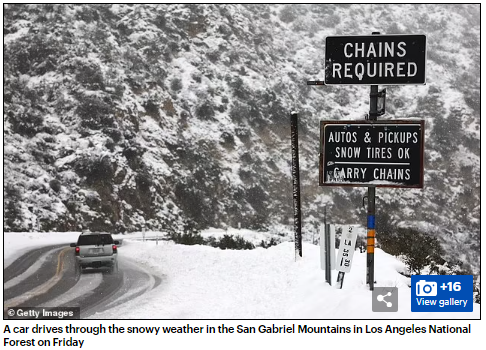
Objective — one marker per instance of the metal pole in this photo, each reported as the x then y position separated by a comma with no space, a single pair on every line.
327,241
325,214
370,238
294,137
340,280
370,261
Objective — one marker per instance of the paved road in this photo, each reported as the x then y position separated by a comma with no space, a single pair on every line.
46,277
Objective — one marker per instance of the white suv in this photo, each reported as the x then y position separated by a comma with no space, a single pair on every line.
96,250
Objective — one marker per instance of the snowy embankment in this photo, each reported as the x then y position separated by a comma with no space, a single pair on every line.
201,282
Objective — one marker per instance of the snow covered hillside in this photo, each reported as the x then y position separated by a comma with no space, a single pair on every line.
176,118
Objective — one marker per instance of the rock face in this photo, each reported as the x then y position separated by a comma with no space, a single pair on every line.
177,117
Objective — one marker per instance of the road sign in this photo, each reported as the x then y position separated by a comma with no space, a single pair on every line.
346,248
375,60
372,153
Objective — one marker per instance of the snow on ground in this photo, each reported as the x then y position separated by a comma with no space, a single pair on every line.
201,282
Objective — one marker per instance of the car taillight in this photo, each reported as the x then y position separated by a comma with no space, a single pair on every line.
77,251
114,248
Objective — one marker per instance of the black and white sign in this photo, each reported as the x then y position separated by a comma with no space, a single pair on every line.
375,60
372,153
346,248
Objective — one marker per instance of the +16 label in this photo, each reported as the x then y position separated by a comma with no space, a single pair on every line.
456,286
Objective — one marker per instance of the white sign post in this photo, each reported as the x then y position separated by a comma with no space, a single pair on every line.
346,248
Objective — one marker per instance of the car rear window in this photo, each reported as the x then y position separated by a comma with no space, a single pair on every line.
95,240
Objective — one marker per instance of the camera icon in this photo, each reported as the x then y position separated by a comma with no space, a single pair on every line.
426,289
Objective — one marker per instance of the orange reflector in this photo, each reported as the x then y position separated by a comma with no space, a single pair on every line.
370,241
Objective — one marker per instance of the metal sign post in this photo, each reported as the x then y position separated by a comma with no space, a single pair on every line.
340,280
328,251
328,254
327,240
294,138
370,238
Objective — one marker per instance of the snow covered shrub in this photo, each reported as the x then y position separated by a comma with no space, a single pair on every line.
270,243
89,75
234,242
176,85
331,21
133,153
258,198
144,181
418,249
173,47
12,211
447,133
257,222
190,238
87,13
43,152
205,111
301,25
243,133
196,25
114,134
238,112
227,140
449,266
35,53
225,242
225,30
152,108
288,14
55,185
213,56
193,203
94,169
239,87
255,117
95,113
160,20
277,113
27,123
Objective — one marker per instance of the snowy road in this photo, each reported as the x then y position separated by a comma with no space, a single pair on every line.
46,277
